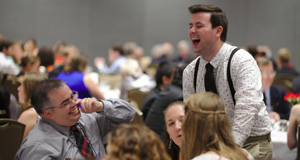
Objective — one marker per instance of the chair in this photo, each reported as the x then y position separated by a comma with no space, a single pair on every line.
11,135
151,70
138,119
12,83
138,96
113,80
298,143
285,81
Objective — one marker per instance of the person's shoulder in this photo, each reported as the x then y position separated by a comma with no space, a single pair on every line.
174,88
278,88
209,156
28,114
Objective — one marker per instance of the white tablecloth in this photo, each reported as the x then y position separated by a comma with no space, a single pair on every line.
280,148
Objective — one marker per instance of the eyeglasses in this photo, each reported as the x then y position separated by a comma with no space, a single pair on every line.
74,97
269,74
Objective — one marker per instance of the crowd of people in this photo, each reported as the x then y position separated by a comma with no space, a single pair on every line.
219,103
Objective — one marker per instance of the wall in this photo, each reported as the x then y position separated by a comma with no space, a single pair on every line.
94,25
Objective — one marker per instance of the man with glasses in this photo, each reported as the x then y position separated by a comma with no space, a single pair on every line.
71,128
277,107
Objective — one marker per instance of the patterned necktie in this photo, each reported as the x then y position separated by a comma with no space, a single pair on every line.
82,143
209,81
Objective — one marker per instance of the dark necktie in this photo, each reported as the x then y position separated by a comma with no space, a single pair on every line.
209,81
82,143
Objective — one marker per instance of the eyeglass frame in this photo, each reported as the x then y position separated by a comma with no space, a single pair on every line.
73,97
269,74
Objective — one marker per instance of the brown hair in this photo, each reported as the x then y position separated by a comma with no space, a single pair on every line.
210,129
29,81
135,142
218,17
29,59
78,63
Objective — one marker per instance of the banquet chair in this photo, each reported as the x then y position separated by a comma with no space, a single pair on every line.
298,142
285,81
11,134
151,70
138,118
12,83
113,80
138,96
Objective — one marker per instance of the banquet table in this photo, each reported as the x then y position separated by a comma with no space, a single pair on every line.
280,148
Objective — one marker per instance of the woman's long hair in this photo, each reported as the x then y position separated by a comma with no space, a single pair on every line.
78,63
206,128
29,81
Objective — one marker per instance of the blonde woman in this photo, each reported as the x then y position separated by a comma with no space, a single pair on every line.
207,132
29,116
135,142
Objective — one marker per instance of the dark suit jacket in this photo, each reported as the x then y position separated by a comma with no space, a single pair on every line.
149,100
296,84
155,119
281,106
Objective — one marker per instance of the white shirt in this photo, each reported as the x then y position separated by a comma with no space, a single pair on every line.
7,66
214,156
249,116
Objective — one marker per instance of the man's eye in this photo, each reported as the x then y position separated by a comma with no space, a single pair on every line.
66,103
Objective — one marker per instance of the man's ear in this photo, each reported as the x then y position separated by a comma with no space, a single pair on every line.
219,31
48,114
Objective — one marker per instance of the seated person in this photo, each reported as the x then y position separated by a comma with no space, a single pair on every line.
133,77
294,121
65,119
116,58
7,64
163,77
296,84
29,116
74,76
135,142
283,62
29,63
169,93
68,52
209,136
277,107
46,56
174,115
184,54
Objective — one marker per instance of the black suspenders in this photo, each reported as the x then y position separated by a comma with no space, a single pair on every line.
228,74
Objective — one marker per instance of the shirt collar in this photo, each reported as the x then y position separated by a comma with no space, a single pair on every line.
219,56
62,129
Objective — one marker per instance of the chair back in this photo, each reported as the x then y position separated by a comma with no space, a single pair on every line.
138,96
112,80
138,119
298,142
151,70
12,83
11,135
285,81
